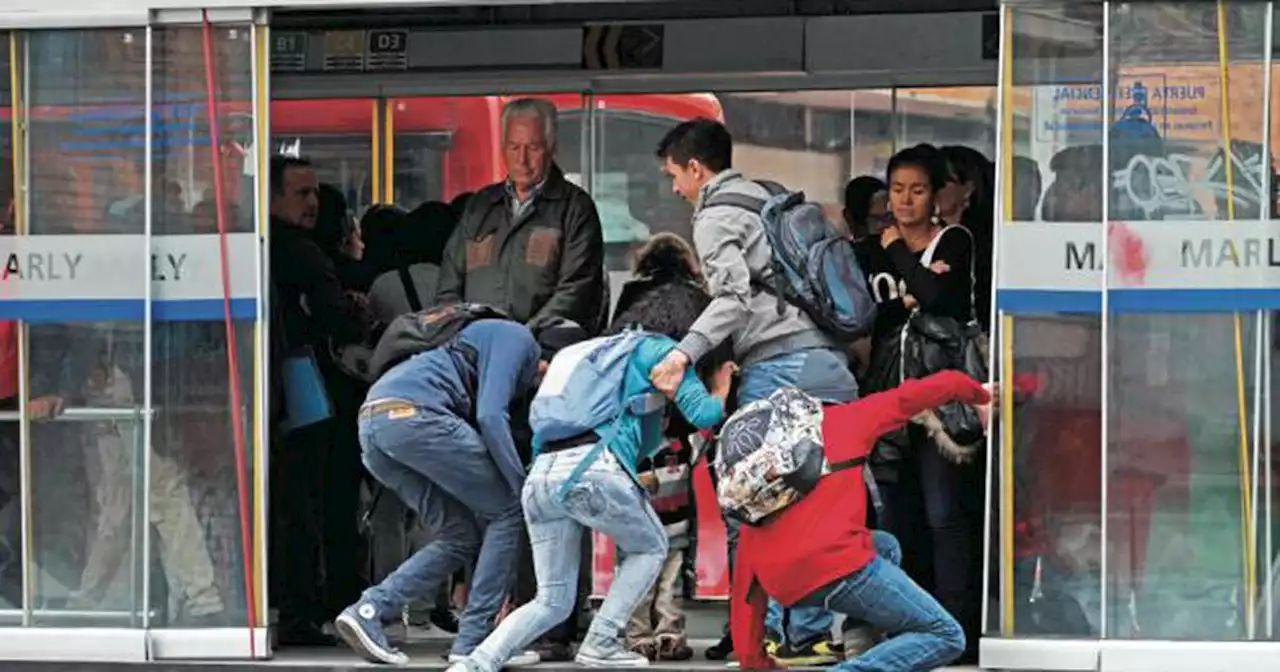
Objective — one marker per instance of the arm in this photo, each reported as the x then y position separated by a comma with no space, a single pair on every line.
746,616
578,290
938,292
696,404
335,313
451,278
504,368
881,413
718,234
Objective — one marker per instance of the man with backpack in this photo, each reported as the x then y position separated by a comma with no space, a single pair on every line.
595,417
791,471
435,431
786,323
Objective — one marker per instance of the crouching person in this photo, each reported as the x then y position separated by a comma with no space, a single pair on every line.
435,431
594,418
804,539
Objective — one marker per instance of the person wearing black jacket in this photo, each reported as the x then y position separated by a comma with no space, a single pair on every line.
920,264
314,311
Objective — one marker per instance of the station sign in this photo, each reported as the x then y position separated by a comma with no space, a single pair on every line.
101,277
1144,266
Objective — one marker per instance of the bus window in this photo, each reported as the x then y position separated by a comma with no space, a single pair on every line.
341,160
420,168
633,198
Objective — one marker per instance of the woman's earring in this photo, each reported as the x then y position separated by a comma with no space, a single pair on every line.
936,218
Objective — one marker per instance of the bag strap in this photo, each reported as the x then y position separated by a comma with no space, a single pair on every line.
410,290
847,464
927,260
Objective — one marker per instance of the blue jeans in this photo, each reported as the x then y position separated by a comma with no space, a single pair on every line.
922,635
604,498
438,466
823,374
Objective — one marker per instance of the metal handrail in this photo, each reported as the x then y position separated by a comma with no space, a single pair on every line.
83,415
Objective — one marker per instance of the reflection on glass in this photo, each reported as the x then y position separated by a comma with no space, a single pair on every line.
1054,450
1180,547
195,506
85,473
85,104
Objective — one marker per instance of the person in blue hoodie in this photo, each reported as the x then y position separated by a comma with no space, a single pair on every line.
603,493
435,430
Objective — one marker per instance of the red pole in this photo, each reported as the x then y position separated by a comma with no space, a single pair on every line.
233,367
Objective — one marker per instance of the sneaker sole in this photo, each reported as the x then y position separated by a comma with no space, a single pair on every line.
354,636
518,660
591,661
806,661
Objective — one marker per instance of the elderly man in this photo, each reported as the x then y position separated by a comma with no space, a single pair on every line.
531,245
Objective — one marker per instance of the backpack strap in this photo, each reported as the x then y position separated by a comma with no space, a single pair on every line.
741,201
410,290
847,464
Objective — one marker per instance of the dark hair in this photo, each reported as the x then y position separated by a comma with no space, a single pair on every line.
926,159
557,337
666,256
280,164
858,193
459,203
670,310
382,227
333,220
430,226
703,139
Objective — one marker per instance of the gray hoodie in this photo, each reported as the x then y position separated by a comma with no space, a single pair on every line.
732,246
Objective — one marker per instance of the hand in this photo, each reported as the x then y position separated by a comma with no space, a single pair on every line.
909,301
889,234
44,408
722,382
666,376
939,267
984,415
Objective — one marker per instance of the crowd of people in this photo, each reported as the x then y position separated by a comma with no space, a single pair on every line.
478,464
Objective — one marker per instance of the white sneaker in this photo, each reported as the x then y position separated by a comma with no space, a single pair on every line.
522,659
612,656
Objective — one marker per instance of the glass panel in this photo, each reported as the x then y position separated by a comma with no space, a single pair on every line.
1180,545
336,135
86,97
10,492
200,562
1049,536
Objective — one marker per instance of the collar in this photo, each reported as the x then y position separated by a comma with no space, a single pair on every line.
552,187
714,185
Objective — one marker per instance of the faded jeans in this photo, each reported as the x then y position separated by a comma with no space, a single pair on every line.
922,635
823,374
605,498
437,465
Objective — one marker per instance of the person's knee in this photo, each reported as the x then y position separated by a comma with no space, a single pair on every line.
950,636
887,546
557,601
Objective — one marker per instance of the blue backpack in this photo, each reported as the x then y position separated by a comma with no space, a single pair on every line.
814,266
582,392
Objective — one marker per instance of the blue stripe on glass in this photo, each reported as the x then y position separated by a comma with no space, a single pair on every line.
102,310
1039,301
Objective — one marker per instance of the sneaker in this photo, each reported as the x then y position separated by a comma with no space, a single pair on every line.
721,650
360,627
673,649
594,653
444,619
857,640
522,659
817,652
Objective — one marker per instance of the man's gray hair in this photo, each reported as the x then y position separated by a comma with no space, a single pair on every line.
539,108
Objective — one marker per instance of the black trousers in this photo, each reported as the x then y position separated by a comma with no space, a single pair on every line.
295,538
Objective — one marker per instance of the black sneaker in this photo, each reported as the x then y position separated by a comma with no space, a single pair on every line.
820,651
443,618
722,649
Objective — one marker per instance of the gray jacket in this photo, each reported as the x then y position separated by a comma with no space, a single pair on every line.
732,246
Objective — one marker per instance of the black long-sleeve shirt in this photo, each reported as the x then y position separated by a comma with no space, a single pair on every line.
895,271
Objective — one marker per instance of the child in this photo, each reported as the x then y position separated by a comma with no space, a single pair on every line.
657,627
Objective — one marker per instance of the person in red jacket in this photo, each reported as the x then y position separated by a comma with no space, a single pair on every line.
846,567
